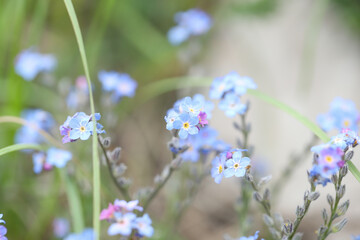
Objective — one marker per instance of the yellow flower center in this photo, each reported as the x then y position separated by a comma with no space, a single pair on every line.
186,125
329,159
236,165
346,123
191,110
220,169
82,129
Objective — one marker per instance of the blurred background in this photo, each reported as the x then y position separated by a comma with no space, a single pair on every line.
302,52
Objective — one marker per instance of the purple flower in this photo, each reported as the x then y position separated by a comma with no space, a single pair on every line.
143,226
1,220
30,63
329,161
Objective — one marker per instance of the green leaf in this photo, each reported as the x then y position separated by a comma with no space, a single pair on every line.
355,172
18,147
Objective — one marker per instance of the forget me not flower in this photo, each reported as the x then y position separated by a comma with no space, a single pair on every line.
87,234
3,232
187,125
123,224
143,225
251,237
61,227
218,167
30,63
236,166
232,105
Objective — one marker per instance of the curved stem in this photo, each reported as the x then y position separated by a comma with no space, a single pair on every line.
122,190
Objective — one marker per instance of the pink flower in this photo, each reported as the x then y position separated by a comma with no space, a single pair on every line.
203,119
107,213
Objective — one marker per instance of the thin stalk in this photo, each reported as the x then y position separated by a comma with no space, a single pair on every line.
300,218
95,153
122,190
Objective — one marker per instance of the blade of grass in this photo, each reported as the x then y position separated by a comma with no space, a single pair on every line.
74,201
18,147
95,153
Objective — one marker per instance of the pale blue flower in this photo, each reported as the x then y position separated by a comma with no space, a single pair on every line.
206,106
143,226
187,125
196,21
232,105
87,234
177,35
30,63
170,118
218,167
236,166
3,232
80,129
220,86
1,220
57,157
251,237
61,227
38,162
190,106
123,224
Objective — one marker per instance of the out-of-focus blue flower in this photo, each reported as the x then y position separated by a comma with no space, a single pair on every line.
30,63
314,173
251,237
78,95
241,83
3,232
87,234
37,119
356,237
220,86
57,157
189,23
177,35
53,157
120,84
123,224
221,146
232,105
191,106
61,227
236,166
342,115
206,106
187,125
218,167
170,119
124,207
143,225
1,220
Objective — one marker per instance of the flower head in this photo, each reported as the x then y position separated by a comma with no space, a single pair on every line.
237,165
143,226
87,234
53,157
1,220
218,167
232,105
61,227
256,235
30,63
187,125
3,232
123,224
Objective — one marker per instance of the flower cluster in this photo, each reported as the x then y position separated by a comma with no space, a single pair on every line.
329,156
204,142
256,235
188,115
53,157
3,229
342,115
120,84
229,89
193,22
30,63
36,119
78,95
123,219
80,126
87,234
228,164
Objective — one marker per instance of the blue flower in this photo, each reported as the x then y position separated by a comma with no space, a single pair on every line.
187,125
1,220
251,237
220,146
232,105
192,153
316,176
356,237
30,63
326,122
80,129
236,165
120,84
241,84
218,167
190,23
57,157
123,224
220,86
143,225
170,118
177,35
36,119
3,232
87,234
206,106
191,106
61,227
38,161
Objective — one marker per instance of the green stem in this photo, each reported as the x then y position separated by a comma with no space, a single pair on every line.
95,153
122,190
18,147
